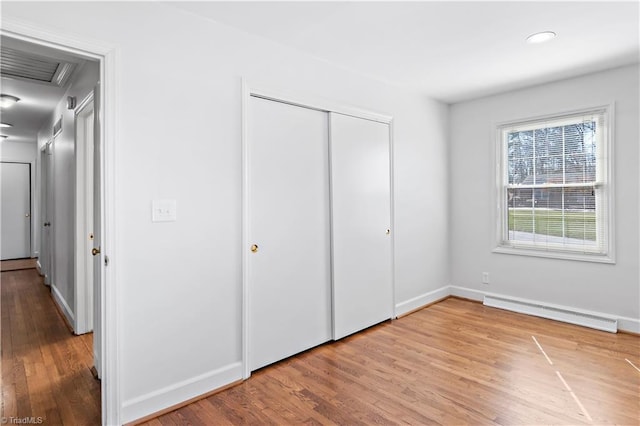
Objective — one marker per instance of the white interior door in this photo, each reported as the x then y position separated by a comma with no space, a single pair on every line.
361,219
84,288
46,209
288,278
98,262
15,226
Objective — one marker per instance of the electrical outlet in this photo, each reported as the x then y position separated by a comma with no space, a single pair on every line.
485,278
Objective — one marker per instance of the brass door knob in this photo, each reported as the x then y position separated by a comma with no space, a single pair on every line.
95,251
254,248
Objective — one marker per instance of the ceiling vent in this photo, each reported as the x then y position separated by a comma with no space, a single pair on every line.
30,67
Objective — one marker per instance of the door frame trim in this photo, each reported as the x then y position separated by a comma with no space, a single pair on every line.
32,191
32,198
306,101
46,268
83,276
108,56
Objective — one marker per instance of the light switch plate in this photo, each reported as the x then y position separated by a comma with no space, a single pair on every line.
163,210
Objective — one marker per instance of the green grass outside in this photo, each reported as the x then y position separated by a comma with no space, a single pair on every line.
581,225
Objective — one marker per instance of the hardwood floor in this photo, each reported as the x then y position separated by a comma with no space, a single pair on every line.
456,362
17,264
45,368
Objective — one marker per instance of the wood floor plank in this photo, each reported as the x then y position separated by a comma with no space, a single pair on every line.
45,369
455,362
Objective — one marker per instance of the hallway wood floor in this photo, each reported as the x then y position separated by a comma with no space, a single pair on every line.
46,373
456,362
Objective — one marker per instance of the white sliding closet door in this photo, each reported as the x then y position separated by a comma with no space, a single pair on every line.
289,279
361,218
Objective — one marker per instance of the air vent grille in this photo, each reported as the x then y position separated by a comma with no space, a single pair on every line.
25,66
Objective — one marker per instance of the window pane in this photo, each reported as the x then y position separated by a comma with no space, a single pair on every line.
580,152
554,213
580,199
520,156
552,226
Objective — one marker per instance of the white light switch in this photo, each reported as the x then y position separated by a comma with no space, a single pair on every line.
163,211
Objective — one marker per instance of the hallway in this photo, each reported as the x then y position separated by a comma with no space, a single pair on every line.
46,373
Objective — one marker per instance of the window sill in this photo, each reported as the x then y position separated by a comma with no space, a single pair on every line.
562,255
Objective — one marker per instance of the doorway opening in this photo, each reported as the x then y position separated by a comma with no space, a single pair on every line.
71,208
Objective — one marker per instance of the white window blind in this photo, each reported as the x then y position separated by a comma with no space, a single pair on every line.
554,185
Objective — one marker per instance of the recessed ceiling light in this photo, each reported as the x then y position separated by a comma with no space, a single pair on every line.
6,125
541,37
7,101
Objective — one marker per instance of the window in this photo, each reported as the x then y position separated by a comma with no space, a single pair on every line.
555,187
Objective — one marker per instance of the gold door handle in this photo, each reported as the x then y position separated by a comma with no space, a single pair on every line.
95,251
254,248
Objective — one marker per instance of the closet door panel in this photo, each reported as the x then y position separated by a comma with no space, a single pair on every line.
289,279
361,216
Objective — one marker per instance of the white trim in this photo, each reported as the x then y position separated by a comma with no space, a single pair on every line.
62,304
422,300
466,293
546,310
33,176
628,324
549,251
392,218
83,104
314,102
305,101
610,119
624,323
83,276
246,97
50,37
108,57
526,251
43,153
182,391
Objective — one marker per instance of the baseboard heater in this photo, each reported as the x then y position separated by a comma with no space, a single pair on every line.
555,313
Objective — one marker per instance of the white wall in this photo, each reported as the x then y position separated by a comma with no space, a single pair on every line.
24,152
611,289
63,160
17,151
180,137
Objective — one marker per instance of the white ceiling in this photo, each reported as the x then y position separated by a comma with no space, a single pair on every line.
452,50
37,100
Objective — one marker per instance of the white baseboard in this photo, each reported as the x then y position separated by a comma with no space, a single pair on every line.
174,394
39,267
422,300
632,325
624,323
558,313
467,293
62,304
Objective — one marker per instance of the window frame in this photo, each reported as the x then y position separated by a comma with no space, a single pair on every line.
604,182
